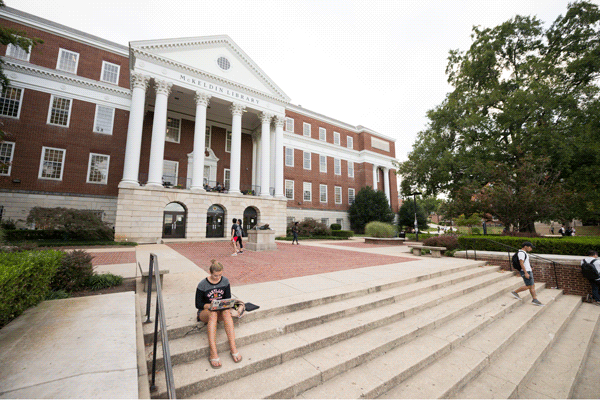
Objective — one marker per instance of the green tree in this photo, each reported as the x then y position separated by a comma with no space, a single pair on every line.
369,205
474,219
520,93
406,215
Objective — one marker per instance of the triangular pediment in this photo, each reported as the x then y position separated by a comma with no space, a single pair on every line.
216,56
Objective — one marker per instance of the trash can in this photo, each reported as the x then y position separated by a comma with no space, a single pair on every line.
402,235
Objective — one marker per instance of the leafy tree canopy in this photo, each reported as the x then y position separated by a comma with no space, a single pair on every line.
369,205
525,98
406,215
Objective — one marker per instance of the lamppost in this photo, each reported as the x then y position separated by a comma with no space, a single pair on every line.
416,223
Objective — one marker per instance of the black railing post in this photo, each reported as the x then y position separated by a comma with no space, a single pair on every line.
153,385
149,296
555,276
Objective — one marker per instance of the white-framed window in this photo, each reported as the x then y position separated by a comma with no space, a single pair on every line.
98,168
336,138
289,125
322,163
350,169
206,174
52,163
350,196
338,195
325,221
173,130
10,102
323,193
67,61
337,166
306,129
322,134
350,142
207,138
103,121
290,220
60,111
7,150
170,172
307,155
289,157
289,189
18,52
307,191
110,72
340,222
226,177
228,142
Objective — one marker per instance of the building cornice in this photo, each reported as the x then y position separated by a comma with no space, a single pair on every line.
57,76
42,24
355,129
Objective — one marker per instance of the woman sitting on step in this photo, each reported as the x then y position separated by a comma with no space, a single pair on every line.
216,287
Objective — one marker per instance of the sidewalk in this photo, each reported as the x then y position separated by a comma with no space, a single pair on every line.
86,347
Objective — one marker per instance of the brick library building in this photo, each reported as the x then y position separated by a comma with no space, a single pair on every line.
171,138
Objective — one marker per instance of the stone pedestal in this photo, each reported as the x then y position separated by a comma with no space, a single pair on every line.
261,240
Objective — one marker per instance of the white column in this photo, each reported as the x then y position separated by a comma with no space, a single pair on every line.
254,159
258,165
133,147
375,177
279,121
202,100
159,131
265,152
386,184
236,147
272,161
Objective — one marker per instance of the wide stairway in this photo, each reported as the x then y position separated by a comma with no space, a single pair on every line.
456,333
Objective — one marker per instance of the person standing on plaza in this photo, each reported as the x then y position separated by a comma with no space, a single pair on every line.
239,233
526,274
234,237
295,232
592,258
216,287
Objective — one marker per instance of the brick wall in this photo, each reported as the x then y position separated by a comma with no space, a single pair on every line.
568,274
90,58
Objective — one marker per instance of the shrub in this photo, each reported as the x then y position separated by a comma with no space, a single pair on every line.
521,234
450,242
8,224
73,272
71,224
340,233
369,205
310,227
57,295
380,230
336,227
422,236
25,280
102,281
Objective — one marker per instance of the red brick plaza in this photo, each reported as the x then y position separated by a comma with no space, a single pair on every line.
288,261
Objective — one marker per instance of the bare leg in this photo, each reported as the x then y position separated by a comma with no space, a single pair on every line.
211,319
532,291
228,321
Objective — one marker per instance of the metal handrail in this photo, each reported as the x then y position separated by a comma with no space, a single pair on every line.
154,272
510,259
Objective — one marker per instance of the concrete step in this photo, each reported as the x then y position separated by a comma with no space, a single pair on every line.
562,367
181,313
337,346
513,367
195,344
588,384
379,376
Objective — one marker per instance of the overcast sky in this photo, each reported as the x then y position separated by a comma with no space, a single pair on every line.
380,64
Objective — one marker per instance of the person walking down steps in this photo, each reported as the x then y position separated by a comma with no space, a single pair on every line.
526,273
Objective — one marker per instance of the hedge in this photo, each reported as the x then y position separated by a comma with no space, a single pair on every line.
343,234
574,246
25,280
422,236
290,238
20,235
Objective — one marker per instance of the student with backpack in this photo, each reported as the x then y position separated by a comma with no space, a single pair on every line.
590,268
520,262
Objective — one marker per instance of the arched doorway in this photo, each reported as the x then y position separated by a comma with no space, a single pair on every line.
215,221
250,219
174,221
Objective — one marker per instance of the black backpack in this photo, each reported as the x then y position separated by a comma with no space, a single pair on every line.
589,271
515,261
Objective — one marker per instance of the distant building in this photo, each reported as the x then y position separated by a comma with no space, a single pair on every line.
146,135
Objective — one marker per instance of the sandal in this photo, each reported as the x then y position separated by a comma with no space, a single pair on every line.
215,363
236,357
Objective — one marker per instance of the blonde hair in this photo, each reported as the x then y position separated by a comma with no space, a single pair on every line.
215,266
